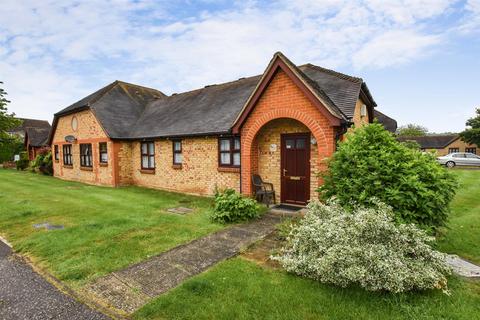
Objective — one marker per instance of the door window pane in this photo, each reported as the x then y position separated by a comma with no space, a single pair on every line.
300,143
290,143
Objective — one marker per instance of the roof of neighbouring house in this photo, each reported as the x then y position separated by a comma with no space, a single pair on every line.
127,111
30,123
432,141
387,122
37,137
37,131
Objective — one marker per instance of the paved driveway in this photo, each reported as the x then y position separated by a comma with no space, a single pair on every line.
24,294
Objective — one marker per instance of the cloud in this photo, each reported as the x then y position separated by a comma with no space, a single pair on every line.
394,47
54,52
471,21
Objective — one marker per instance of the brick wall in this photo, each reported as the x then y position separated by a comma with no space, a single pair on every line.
461,145
88,131
199,173
269,161
283,99
358,119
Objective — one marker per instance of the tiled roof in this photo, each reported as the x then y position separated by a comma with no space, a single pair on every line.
127,111
433,141
387,122
38,137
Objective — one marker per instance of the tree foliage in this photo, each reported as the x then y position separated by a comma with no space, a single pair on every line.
472,135
7,122
371,163
412,130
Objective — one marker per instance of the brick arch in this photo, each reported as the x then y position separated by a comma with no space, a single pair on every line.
249,160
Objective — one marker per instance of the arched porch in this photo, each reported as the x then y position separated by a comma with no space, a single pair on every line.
286,148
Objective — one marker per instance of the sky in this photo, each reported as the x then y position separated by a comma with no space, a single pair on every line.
420,59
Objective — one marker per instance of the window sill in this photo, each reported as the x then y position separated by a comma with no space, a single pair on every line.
147,171
86,168
67,166
177,166
229,169
103,164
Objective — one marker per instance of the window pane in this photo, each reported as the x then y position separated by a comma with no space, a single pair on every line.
151,148
236,159
152,162
177,145
225,145
144,162
144,148
225,158
300,143
178,158
103,147
236,142
104,157
290,144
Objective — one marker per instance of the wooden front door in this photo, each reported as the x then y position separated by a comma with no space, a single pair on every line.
295,168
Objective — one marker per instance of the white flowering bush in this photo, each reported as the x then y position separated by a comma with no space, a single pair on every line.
364,247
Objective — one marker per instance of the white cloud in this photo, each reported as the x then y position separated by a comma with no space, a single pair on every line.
53,52
471,21
394,47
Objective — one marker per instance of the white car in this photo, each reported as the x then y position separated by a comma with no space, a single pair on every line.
459,159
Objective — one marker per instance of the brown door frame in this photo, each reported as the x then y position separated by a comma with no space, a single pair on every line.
283,138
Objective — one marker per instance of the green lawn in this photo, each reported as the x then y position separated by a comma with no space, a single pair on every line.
106,229
462,235
240,289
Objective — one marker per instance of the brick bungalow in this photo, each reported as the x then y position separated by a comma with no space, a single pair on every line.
35,134
442,144
281,125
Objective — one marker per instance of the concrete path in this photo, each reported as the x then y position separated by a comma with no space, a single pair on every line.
463,267
24,294
129,289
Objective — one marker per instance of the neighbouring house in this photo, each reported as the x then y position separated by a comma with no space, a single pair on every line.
281,125
442,144
35,135
388,123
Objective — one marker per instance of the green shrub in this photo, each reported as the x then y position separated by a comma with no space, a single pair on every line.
372,163
231,206
364,247
23,163
43,162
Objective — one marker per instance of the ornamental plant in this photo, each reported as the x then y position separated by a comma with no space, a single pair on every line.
364,247
231,206
371,163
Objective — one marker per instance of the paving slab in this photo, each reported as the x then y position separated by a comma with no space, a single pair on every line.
142,282
24,294
463,267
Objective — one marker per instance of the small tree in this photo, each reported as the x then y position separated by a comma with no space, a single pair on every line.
412,130
472,134
7,122
371,163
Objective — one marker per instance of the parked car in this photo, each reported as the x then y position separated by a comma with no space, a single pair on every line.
459,159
